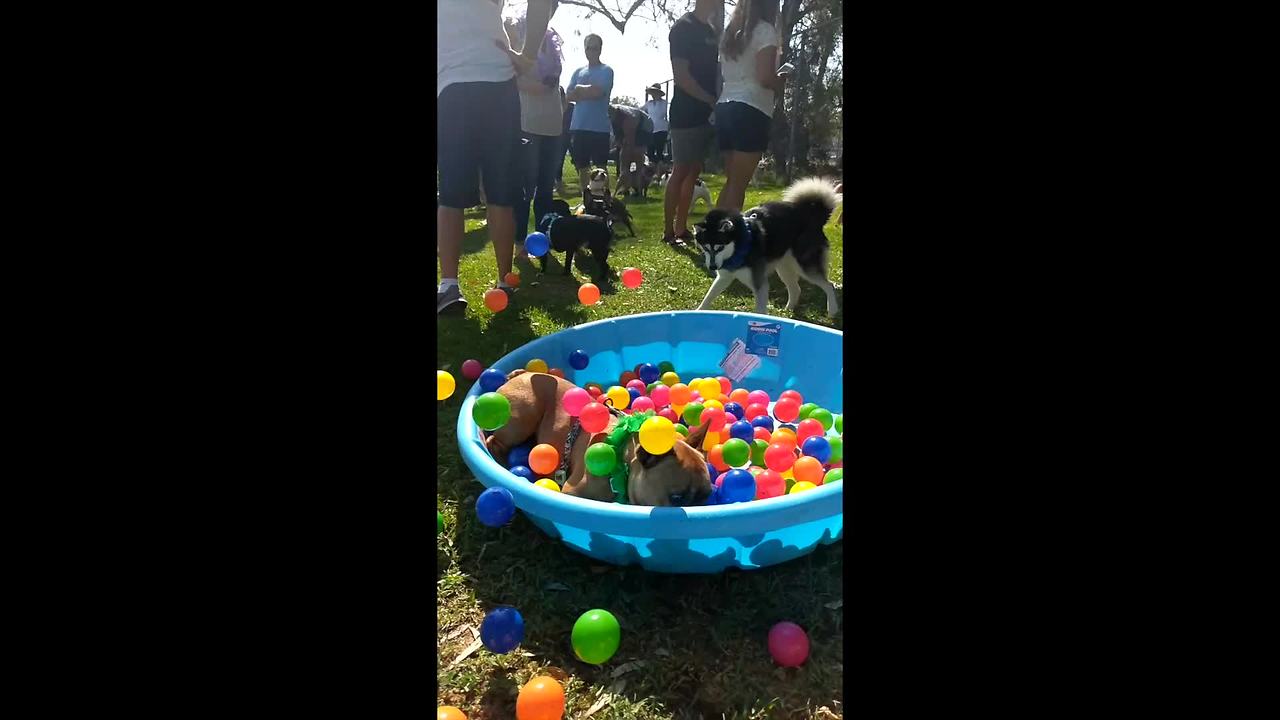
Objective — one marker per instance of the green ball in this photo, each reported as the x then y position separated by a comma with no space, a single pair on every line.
596,636
758,447
491,411
439,523
833,475
601,458
665,367
693,414
840,423
837,450
823,416
736,453
682,429
648,390
806,410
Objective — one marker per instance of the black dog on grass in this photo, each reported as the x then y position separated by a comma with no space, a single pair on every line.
570,233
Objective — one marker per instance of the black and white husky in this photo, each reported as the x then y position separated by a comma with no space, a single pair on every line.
783,236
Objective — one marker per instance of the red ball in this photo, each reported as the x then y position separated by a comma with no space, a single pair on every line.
471,369
721,478
778,457
594,417
637,385
725,386
788,644
755,410
632,277
762,434
770,484
594,389
787,409
713,418
668,413
793,395
627,377
808,428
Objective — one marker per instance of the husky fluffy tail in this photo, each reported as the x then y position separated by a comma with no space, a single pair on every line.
817,198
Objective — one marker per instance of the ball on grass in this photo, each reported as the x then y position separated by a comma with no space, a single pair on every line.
502,630
495,507
541,698
788,644
511,279
596,636
588,294
445,385
632,277
471,369
495,300
449,712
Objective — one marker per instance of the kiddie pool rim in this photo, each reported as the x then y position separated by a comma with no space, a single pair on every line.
649,522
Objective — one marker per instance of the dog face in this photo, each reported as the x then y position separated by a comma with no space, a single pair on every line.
558,207
678,478
716,235
597,178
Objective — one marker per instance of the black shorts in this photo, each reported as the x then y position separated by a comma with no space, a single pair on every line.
478,135
589,149
742,128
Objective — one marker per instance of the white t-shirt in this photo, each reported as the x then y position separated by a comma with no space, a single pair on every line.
740,83
465,32
657,110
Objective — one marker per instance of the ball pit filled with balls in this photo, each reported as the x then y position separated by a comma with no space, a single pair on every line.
780,425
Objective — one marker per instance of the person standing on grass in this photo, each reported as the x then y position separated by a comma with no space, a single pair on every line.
695,67
656,108
589,90
750,55
541,111
477,129
633,129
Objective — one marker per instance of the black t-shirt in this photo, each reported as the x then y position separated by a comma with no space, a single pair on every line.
695,41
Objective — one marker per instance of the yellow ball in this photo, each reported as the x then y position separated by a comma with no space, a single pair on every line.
711,389
445,384
670,378
678,410
788,475
536,365
657,435
620,397
713,403
548,484
801,487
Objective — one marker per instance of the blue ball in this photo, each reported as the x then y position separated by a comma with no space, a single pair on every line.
817,447
714,497
502,629
495,507
736,409
491,380
537,244
649,373
743,431
578,360
711,470
738,486
634,394
524,472
519,455
763,421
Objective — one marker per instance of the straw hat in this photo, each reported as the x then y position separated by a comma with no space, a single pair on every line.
656,90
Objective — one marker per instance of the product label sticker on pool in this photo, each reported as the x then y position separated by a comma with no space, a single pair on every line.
764,338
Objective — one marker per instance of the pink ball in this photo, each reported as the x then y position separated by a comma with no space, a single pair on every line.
637,385
668,413
661,395
730,419
574,400
471,369
758,397
696,396
721,478
788,644
641,404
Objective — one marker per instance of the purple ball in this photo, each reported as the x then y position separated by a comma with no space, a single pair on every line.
742,430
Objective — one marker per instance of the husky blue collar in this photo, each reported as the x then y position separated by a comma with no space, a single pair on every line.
740,248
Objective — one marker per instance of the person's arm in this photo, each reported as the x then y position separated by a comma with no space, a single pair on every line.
527,84
685,81
587,92
537,16
767,69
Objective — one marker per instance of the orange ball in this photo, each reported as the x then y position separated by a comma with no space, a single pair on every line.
541,698
544,459
808,469
495,300
739,396
784,435
588,294
556,371
511,279
680,394
449,712
716,457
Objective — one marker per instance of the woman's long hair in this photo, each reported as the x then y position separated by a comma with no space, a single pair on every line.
550,61
745,17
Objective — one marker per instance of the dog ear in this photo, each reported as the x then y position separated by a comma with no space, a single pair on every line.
696,437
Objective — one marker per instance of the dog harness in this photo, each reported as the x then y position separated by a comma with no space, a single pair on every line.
626,427
740,249
548,220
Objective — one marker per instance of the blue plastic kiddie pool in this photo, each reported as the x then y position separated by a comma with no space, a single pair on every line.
748,535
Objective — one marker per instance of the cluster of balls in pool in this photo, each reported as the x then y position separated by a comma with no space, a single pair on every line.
537,244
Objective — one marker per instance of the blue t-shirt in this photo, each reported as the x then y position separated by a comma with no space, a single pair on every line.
592,114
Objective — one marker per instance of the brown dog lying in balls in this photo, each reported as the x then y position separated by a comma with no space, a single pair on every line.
678,477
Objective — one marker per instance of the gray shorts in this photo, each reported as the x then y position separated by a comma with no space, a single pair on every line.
690,145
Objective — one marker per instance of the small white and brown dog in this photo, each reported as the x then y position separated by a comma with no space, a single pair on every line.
700,190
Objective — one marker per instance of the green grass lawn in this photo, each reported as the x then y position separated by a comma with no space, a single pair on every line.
692,646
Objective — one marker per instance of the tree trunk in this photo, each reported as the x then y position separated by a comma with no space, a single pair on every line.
780,133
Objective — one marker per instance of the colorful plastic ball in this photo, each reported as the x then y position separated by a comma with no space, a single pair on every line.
595,389
574,400
770,484
740,396
637,385
544,459
502,630
601,459
519,455
680,393
619,396
738,486
788,644
632,394
785,435
511,279
491,411
839,423
726,386
666,366
632,277
758,397
495,300
596,636
758,448
578,360
712,417
808,428
807,409
594,417
833,475
786,410
537,365
627,377
823,416
753,411
439,523
693,414
735,409
715,458
712,472
537,244
660,394
763,421
657,435
588,294
495,507
449,712
714,403
736,453
555,371
681,428
742,430
762,434
713,388
548,484
808,469
730,419
523,471
471,369
793,395
779,457
649,373
445,385
642,404
816,447
541,698
491,380
669,414
801,486
837,450
669,378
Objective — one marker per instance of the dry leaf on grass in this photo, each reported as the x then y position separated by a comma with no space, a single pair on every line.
556,586
834,605
625,668
467,653
605,699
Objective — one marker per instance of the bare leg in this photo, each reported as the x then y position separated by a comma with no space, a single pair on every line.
502,227
722,283
671,201
739,167
684,201
449,230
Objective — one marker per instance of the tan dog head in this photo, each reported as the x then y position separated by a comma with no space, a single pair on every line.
678,477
